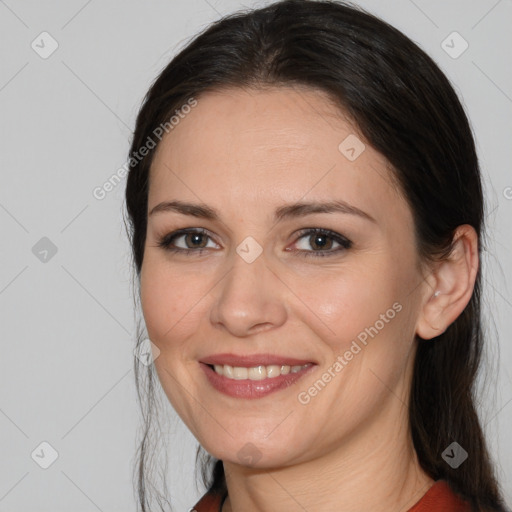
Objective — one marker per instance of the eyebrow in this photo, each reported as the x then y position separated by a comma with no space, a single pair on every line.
283,212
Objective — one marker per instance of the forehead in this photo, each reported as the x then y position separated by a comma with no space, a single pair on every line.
260,121
272,145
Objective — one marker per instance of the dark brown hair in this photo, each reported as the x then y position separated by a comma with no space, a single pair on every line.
405,107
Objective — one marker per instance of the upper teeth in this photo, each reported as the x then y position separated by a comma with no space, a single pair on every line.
256,372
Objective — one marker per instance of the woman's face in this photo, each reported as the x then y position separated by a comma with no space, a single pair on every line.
263,288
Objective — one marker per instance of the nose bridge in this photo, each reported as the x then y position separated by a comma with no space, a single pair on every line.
246,296
247,275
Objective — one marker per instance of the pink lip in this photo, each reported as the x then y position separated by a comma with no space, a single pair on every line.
253,360
250,389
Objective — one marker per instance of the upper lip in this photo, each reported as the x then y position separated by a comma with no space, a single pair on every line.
253,360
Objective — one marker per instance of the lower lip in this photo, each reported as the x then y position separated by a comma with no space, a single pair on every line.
247,388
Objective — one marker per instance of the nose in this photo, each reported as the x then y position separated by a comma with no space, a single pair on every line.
249,299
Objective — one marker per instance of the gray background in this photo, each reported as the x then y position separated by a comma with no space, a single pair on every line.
67,322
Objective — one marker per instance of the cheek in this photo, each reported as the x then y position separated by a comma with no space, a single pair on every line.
156,301
170,307
340,304
170,302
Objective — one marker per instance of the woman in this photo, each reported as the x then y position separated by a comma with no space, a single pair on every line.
305,213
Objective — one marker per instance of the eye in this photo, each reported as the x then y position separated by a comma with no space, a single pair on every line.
322,241
195,241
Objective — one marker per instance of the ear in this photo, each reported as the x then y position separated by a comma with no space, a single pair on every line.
450,285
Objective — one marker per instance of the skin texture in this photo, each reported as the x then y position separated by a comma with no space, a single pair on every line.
246,153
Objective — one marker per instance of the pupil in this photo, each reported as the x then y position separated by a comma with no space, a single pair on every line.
318,240
196,238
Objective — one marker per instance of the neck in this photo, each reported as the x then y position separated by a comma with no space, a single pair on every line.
377,469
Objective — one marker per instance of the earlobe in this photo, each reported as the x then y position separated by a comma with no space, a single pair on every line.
453,278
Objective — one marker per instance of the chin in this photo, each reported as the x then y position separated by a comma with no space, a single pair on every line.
251,450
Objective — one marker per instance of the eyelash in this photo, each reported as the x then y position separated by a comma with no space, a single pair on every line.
345,243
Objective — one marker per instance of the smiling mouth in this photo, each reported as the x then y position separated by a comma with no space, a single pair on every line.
259,372
252,382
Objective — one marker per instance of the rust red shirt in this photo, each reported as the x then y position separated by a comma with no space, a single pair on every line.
439,498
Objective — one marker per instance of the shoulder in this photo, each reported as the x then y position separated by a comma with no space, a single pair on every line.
441,498
210,502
